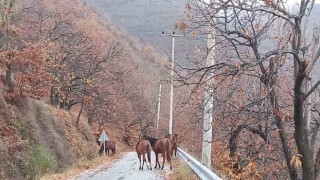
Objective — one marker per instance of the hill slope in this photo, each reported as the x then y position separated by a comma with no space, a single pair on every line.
33,126
145,20
37,138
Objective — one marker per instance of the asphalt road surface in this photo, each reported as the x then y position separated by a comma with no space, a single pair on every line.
126,168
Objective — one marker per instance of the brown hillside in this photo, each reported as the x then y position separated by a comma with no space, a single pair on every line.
80,64
34,122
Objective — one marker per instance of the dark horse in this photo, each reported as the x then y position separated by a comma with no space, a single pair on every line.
162,146
144,147
110,145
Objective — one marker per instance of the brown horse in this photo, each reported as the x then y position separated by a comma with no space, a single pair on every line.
110,145
162,146
144,147
174,143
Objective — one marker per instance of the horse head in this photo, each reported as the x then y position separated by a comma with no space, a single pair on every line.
175,137
168,136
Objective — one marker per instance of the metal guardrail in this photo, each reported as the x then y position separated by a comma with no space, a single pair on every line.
202,171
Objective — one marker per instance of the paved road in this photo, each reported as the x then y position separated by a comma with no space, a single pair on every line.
126,168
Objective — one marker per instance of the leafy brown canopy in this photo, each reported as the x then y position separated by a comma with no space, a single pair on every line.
60,51
266,86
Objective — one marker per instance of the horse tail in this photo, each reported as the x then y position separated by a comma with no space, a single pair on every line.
168,148
149,151
137,145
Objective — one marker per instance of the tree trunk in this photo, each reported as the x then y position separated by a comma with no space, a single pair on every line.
307,109
90,119
9,77
308,172
82,103
283,137
7,46
54,97
78,118
232,143
62,104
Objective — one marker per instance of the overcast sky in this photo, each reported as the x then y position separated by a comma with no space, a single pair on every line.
298,1
296,4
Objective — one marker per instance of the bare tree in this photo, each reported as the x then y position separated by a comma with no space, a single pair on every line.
272,45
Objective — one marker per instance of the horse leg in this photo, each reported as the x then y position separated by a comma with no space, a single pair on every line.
100,151
156,160
139,155
149,158
107,150
169,159
164,159
144,159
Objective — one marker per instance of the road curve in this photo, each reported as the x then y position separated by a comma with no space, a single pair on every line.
126,168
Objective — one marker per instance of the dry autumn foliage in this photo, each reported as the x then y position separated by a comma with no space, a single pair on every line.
62,52
266,85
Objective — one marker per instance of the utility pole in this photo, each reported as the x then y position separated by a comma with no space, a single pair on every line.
173,35
208,109
159,103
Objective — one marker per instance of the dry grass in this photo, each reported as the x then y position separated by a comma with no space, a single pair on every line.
50,132
81,166
182,171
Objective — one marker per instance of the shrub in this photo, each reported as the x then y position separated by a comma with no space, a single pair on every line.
40,162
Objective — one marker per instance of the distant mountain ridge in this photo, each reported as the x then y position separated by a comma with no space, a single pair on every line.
146,19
